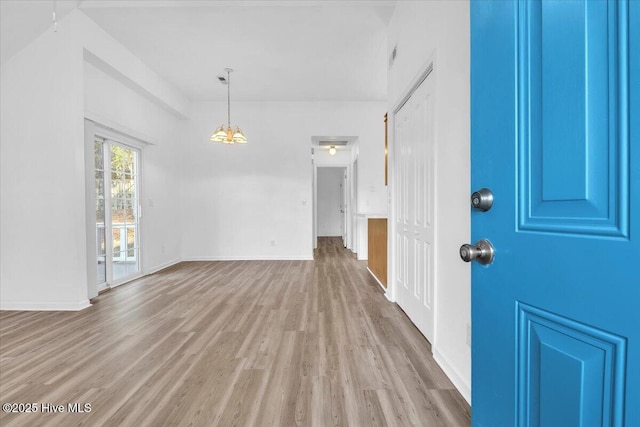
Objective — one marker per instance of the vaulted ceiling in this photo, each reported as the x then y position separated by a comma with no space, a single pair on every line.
281,50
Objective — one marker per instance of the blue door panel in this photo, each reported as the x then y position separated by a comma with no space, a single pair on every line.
572,116
556,68
570,374
555,135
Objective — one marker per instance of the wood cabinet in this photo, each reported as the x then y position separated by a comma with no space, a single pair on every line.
377,247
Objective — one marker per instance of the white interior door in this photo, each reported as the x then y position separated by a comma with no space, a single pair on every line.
330,218
413,147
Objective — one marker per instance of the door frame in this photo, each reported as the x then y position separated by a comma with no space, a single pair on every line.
109,142
346,217
96,129
344,200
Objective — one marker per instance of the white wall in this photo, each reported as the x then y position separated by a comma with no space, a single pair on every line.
43,261
42,256
440,30
238,199
330,218
323,158
112,102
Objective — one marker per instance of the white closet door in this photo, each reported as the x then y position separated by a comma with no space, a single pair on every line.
414,197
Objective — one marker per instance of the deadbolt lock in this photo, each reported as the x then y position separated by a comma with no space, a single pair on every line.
482,199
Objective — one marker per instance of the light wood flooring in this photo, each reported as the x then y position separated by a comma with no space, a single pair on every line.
242,343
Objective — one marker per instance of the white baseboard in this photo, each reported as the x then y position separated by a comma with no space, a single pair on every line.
162,266
463,386
388,295
251,258
44,306
377,280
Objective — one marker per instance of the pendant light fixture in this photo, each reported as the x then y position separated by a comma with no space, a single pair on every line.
226,134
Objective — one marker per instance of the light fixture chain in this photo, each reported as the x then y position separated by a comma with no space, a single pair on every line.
54,19
229,99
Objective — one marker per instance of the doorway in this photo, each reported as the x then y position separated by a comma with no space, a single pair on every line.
331,202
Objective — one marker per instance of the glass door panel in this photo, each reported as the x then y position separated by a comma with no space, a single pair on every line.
117,213
125,218
100,216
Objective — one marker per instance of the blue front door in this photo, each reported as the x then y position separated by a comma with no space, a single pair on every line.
555,122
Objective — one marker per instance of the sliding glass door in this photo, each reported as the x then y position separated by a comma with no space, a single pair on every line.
124,211
117,212
101,239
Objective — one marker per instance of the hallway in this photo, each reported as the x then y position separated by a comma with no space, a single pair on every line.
238,343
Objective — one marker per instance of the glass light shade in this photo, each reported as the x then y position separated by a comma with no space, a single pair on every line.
239,137
219,135
332,150
228,136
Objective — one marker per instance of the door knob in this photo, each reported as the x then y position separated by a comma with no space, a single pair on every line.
482,252
482,199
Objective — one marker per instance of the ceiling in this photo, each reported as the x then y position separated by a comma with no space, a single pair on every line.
21,21
281,50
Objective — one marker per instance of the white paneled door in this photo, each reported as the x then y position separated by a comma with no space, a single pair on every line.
413,206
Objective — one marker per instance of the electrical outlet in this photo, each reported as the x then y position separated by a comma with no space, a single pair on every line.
469,335
273,243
